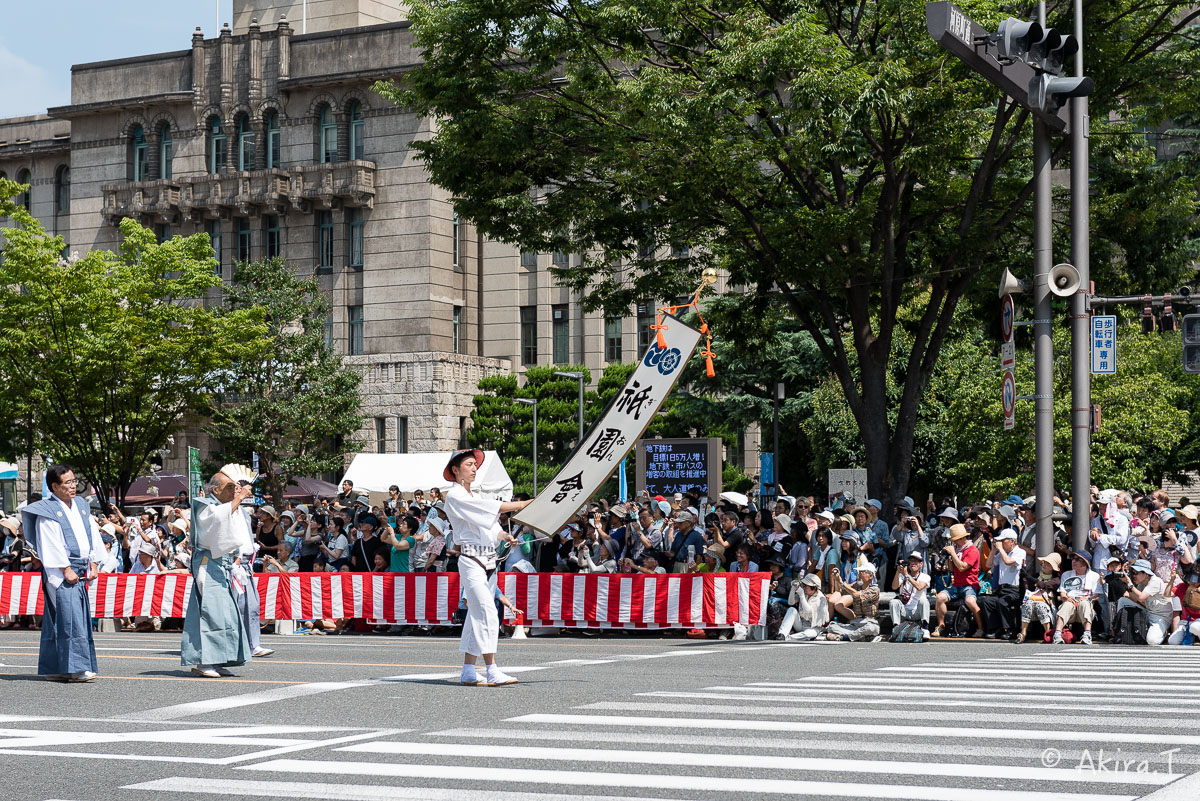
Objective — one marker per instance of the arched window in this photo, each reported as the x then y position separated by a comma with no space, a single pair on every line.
166,151
216,145
327,136
271,123
141,155
23,199
245,142
62,189
356,130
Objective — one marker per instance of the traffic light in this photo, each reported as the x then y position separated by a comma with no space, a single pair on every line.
1191,343
1014,38
1047,93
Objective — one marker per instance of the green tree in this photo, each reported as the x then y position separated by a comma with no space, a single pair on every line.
111,351
827,154
294,404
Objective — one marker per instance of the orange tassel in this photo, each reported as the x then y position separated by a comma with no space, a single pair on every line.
709,367
662,343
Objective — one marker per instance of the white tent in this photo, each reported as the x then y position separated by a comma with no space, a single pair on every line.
375,472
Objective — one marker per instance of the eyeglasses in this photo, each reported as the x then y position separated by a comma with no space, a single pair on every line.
70,483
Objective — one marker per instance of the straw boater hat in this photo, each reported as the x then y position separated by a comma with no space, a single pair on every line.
457,457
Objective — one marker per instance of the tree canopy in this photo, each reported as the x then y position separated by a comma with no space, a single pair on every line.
112,350
828,156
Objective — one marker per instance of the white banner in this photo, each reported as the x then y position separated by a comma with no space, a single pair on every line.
614,436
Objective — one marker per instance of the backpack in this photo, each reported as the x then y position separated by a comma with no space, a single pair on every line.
962,622
1130,626
906,631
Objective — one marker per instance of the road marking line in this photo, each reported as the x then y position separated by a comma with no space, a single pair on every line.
916,714
222,704
756,761
345,792
1009,702
1021,672
1070,756
838,727
658,782
454,675
966,681
955,688
190,678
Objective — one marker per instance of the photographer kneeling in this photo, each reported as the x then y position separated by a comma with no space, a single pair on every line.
911,601
808,611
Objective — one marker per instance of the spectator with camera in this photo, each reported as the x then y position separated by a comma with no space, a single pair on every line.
1039,600
1000,610
911,584
1150,595
857,603
687,544
963,559
1187,594
911,537
808,610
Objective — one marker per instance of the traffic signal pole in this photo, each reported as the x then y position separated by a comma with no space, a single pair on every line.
1081,316
1043,341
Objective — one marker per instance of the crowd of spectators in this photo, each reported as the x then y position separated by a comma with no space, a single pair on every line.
838,571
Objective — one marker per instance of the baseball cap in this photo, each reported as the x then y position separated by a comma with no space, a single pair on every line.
1007,534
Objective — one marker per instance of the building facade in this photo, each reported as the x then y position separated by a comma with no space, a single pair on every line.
271,141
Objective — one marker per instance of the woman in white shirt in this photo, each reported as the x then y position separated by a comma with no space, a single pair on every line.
475,522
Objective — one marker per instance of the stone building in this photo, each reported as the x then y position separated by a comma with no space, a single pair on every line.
271,141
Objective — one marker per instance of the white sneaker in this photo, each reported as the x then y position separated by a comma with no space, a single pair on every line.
79,678
260,652
224,671
924,635
497,678
1058,638
469,676
205,671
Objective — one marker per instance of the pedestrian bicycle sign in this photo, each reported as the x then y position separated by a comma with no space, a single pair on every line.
1008,399
1104,341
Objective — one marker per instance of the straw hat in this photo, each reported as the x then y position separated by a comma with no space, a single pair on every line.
957,532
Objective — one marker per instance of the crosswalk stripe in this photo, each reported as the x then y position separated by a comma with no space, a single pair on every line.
895,680
1044,703
1069,755
758,761
1022,671
955,689
742,786
838,727
917,714
343,792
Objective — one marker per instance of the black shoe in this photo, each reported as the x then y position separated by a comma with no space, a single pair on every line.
991,635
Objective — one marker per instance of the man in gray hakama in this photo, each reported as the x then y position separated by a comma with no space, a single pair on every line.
69,548
214,632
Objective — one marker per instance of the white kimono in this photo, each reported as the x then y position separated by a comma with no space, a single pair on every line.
475,522
52,546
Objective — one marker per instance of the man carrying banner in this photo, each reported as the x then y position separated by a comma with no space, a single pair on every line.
475,522
61,531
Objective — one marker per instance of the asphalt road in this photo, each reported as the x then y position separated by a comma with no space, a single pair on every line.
616,716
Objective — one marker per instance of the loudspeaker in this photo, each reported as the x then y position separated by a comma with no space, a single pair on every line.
1011,285
1064,280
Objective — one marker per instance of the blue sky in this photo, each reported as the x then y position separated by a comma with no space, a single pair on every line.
39,41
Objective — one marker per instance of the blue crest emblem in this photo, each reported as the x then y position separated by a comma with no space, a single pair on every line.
667,361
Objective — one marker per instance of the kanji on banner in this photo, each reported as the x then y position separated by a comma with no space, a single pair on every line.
614,436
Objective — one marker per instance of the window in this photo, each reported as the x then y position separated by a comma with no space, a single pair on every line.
329,330
645,319
327,136
529,335
458,329
455,232
216,145
646,243
356,130
62,189
560,259
324,240
271,235
23,199
162,232
271,122
560,330
354,242
680,250
214,236
243,239
462,432
612,339
401,435
245,140
354,316
381,435
141,155
738,457
529,259
166,152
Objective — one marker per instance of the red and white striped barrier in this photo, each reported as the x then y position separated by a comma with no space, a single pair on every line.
570,600
639,601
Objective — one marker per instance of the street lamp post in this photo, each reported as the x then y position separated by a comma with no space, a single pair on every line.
775,456
578,376
533,402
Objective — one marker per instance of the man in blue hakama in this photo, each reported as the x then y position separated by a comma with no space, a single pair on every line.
69,547
214,632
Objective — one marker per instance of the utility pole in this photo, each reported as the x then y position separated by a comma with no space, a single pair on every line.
533,402
1081,316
